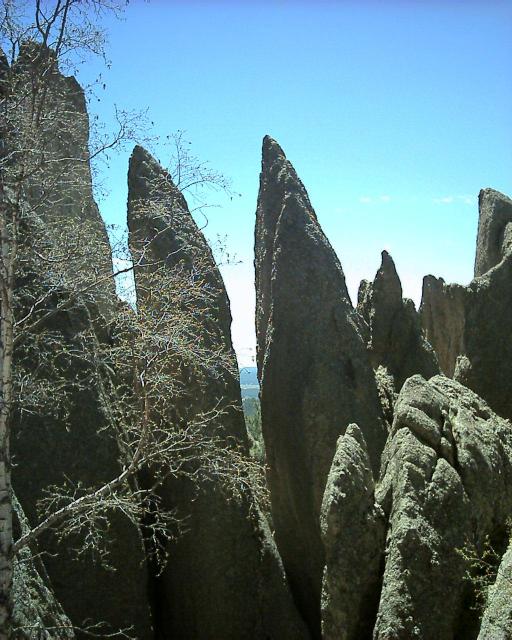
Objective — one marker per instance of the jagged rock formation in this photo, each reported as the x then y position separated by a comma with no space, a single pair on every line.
353,533
315,374
224,578
424,499
65,295
373,533
497,618
471,323
49,117
494,238
447,469
396,339
444,487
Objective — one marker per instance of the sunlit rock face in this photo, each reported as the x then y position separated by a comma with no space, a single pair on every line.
353,533
395,341
497,618
224,577
399,550
469,326
446,469
443,317
494,239
316,377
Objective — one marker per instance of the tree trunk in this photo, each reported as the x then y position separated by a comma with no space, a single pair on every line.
7,255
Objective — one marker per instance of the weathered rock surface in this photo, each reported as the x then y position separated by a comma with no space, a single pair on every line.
494,239
353,533
315,374
472,323
224,578
55,127
36,612
443,318
396,339
486,366
497,618
447,469
60,435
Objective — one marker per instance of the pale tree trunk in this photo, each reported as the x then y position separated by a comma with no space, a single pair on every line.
7,254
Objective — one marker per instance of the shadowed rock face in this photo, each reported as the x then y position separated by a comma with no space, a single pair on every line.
314,370
224,578
472,323
396,340
36,614
64,436
164,234
484,365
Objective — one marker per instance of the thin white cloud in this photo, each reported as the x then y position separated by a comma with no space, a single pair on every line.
469,200
374,199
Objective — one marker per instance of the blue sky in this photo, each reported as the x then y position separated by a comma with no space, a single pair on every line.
394,114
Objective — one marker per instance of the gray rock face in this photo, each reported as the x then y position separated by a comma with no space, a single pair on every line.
487,353
59,193
471,323
443,319
396,339
497,618
315,374
37,613
224,578
353,533
163,232
446,472
494,238
397,553
61,434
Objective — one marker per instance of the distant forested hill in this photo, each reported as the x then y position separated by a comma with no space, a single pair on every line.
249,376
249,382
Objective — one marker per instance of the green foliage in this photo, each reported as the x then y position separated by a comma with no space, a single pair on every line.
483,564
252,413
